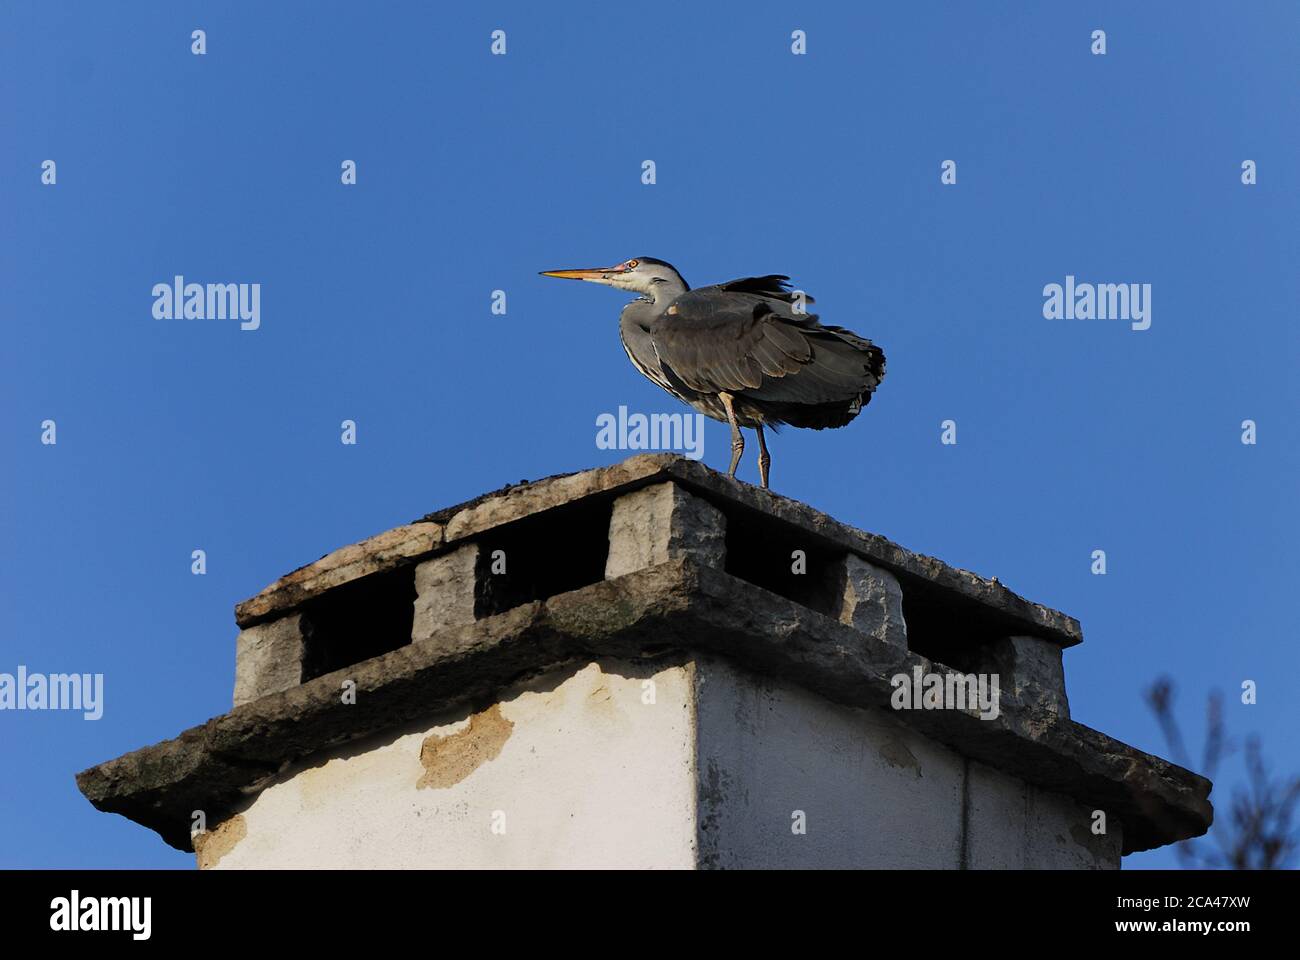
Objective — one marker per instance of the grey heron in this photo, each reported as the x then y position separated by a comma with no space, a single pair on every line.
744,352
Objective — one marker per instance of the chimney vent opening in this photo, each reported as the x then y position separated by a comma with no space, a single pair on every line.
542,555
781,558
357,621
948,630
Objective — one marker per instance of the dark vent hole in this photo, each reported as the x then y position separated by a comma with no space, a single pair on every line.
542,555
358,620
764,554
951,631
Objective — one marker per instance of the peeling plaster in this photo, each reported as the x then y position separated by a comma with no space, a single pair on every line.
211,845
449,759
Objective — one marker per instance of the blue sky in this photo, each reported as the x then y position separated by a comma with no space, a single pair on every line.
476,171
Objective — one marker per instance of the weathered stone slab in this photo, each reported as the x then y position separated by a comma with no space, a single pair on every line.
663,522
512,503
372,555
1046,622
521,500
444,592
1032,674
873,603
269,656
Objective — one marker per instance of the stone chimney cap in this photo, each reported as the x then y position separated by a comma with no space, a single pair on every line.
659,560
451,525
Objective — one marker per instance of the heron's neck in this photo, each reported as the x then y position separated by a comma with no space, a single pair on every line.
662,294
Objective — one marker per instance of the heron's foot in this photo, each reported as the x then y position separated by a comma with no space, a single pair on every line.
764,465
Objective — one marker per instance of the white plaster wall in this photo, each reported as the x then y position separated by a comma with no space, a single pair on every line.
874,794
585,773
1060,836
1018,826
998,820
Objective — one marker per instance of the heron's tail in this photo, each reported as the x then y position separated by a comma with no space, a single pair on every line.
852,366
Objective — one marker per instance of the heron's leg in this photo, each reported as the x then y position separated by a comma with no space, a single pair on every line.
764,461
737,441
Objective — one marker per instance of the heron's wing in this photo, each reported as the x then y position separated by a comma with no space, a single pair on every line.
745,338
774,286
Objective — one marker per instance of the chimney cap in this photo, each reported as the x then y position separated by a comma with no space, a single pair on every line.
683,607
451,525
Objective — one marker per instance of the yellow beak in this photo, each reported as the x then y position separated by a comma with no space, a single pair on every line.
587,273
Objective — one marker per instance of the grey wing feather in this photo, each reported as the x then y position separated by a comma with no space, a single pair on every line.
744,337
640,350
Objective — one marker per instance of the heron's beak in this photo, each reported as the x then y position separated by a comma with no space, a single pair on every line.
588,273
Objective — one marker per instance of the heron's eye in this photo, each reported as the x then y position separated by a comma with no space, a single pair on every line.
631,264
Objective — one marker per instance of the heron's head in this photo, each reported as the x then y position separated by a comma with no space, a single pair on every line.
644,275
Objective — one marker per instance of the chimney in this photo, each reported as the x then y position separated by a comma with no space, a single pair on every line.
647,665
